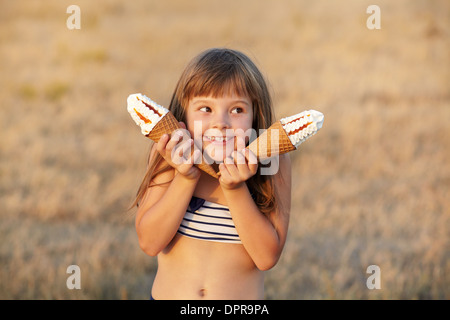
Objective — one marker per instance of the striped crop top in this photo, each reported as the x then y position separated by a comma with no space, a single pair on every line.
208,221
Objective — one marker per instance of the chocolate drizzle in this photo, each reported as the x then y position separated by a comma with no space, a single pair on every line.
299,129
142,117
295,120
150,107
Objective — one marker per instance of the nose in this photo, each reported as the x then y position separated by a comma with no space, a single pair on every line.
221,121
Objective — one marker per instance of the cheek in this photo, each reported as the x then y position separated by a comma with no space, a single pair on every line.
249,126
245,123
196,127
190,120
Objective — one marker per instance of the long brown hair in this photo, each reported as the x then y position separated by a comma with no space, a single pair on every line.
216,72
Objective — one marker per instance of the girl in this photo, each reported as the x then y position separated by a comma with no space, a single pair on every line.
214,237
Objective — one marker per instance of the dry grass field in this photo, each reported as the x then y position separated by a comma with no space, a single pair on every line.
371,188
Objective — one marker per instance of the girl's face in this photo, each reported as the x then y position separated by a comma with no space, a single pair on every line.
220,124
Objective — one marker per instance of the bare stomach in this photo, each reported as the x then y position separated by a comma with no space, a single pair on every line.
193,269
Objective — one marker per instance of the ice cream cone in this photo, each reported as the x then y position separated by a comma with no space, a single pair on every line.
287,134
159,122
271,142
169,124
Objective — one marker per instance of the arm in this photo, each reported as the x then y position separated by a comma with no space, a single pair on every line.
159,216
263,236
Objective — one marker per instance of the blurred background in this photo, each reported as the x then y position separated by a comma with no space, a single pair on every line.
371,188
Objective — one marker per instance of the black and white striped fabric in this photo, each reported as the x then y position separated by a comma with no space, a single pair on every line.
208,221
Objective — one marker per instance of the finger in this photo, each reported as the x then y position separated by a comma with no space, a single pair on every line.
250,156
161,145
240,158
182,124
186,167
199,156
230,159
252,160
196,156
179,153
240,143
240,162
224,174
174,140
187,162
186,147
232,169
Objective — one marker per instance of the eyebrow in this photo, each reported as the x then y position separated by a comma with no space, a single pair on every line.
201,101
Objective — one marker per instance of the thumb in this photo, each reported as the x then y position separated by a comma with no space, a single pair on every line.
182,124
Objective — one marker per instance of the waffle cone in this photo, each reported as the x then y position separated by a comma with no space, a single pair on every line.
169,124
272,142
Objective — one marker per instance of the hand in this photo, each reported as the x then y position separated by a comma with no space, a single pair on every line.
237,169
176,150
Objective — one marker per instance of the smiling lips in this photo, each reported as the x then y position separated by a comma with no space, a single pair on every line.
217,140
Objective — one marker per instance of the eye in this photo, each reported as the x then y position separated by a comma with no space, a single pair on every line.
205,109
237,110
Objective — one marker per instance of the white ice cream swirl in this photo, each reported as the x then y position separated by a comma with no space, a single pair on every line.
145,112
303,125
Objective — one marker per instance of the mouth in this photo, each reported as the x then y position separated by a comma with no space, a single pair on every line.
219,140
